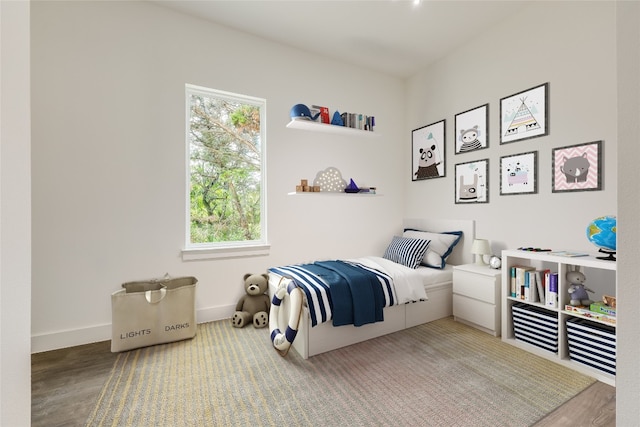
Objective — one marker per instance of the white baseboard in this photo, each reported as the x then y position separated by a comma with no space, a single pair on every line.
74,337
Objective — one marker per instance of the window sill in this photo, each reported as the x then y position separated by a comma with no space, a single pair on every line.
197,254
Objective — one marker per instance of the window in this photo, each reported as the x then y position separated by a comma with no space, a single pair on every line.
226,174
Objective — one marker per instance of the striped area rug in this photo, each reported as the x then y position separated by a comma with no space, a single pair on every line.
439,374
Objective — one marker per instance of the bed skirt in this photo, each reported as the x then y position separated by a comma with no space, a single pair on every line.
325,337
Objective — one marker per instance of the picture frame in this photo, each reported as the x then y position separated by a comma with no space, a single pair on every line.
525,115
577,167
472,129
472,182
428,151
519,173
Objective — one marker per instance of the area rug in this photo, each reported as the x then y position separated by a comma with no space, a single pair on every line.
438,374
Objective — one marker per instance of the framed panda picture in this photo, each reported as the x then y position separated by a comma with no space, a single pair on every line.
428,152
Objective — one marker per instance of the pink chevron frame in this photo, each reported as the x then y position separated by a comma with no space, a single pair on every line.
577,167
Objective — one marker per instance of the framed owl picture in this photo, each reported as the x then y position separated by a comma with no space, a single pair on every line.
472,182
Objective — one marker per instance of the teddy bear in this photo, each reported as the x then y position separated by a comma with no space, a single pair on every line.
254,305
578,291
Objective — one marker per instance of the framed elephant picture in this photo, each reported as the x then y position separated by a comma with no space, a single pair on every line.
577,167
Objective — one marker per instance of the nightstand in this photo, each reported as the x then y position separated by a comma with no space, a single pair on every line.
476,296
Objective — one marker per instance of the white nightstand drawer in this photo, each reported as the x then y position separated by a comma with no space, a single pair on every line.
476,286
480,313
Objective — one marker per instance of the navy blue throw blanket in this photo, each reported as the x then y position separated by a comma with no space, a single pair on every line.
356,293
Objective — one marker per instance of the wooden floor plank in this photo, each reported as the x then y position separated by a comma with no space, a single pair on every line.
65,383
595,406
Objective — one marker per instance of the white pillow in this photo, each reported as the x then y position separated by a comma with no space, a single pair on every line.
406,251
440,248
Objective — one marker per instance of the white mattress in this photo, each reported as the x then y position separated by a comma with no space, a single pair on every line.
434,276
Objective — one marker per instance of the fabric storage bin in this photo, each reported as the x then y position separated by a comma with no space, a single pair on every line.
535,326
153,312
592,344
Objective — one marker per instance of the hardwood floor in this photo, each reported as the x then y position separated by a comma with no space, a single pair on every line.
66,383
595,406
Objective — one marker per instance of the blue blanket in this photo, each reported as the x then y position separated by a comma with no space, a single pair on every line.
355,294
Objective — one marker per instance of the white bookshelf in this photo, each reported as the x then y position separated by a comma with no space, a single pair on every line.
601,277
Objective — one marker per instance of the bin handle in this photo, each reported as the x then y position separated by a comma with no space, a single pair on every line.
154,297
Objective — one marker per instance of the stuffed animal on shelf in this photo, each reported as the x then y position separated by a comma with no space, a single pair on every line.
254,305
577,290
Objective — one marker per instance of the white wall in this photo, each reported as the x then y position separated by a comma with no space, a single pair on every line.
15,216
628,330
543,43
108,157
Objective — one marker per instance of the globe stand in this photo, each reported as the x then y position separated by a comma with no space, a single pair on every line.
610,255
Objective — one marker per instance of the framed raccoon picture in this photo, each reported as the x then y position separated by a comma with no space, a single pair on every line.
577,167
472,129
472,182
428,151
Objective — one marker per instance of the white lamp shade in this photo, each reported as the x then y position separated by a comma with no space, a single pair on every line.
480,248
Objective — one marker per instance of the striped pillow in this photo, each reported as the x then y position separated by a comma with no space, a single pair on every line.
406,251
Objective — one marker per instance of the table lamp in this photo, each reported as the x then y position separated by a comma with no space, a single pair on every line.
479,249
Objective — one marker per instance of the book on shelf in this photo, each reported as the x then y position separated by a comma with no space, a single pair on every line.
533,286
584,311
601,307
358,121
520,271
551,299
569,254
324,113
540,276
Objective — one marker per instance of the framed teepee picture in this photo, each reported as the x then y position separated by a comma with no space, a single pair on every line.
427,152
525,114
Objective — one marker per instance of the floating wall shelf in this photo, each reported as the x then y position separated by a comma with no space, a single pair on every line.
324,127
331,193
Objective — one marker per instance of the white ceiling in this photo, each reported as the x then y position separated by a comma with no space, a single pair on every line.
396,37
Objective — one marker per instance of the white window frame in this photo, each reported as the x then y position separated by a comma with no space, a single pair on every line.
199,251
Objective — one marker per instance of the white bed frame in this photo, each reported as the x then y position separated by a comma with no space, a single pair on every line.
311,341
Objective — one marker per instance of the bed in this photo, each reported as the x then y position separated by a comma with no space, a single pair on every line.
437,282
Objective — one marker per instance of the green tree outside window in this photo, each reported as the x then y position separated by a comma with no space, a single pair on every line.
225,137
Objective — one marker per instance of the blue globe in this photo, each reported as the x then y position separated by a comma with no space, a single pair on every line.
602,233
